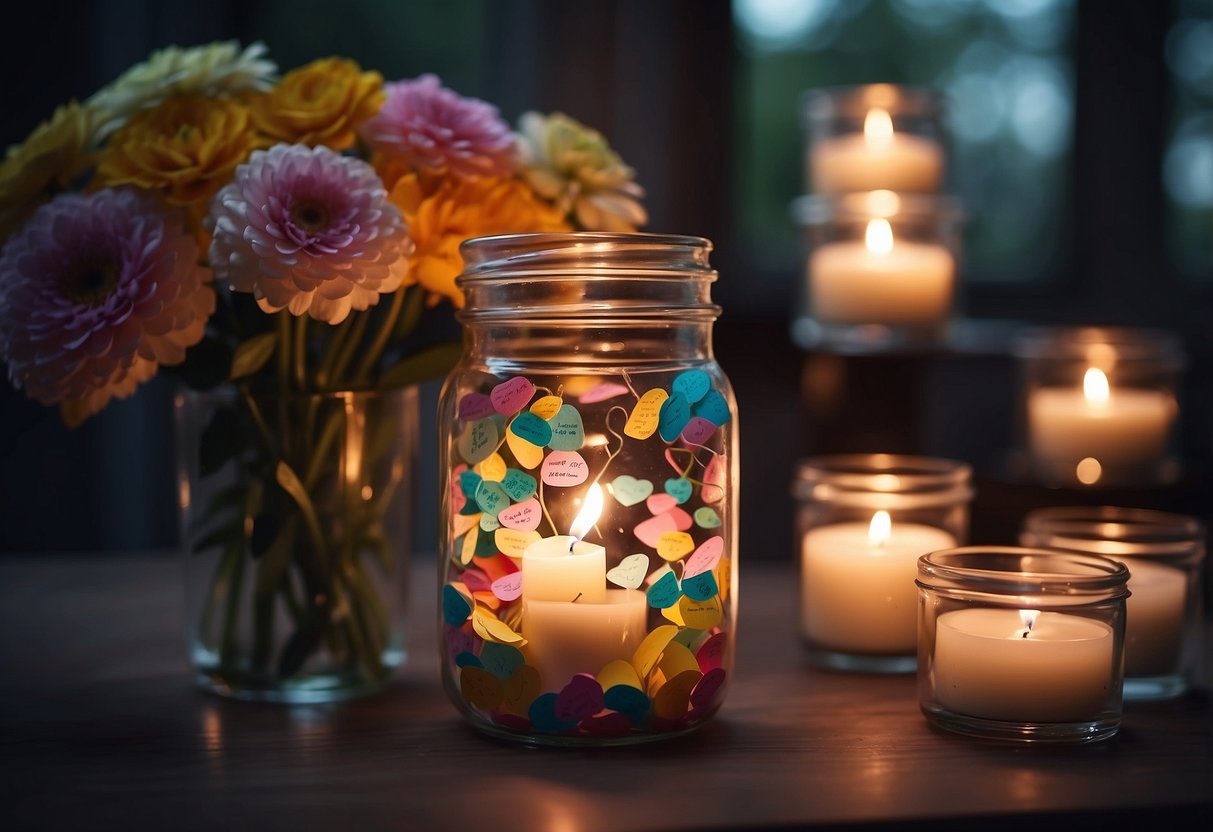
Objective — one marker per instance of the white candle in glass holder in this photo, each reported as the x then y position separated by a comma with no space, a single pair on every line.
1119,427
858,593
881,280
1022,666
1154,615
879,158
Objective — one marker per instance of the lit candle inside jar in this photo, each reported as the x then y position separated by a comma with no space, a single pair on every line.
1113,428
877,159
881,280
858,590
1021,665
572,622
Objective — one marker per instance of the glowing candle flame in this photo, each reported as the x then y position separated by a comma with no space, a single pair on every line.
590,511
879,236
878,128
1028,617
1095,386
880,529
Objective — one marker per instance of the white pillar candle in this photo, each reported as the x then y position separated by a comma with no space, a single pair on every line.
563,568
1115,427
987,664
567,638
881,280
1153,617
877,159
858,592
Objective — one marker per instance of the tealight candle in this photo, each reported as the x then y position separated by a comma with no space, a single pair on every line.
1022,666
858,592
881,279
879,158
1121,427
858,599
1021,643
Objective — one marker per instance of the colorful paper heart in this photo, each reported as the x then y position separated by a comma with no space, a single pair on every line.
631,571
705,558
580,699
692,384
664,592
533,429
707,518
568,432
523,517
680,489
674,415
564,468
645,416
628,490
475,406
511,395
508,588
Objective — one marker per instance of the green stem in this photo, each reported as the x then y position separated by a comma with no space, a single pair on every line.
347,353
336,343
300,350
220,580
229,647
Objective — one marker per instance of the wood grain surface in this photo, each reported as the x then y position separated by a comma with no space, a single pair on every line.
100,727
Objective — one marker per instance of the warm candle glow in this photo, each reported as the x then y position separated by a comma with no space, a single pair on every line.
590,511
879,236
878,128
1028,617
880,529
1095,386
1088,470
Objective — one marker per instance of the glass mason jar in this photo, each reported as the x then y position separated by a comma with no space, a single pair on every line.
873,137
1100,405
297,517
1164,554
588,505
863,520
882,270
1021,643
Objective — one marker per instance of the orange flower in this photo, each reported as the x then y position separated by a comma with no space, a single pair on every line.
319,104
456,210
185,149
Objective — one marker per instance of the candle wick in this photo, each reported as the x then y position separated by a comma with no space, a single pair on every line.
1025,633
574,601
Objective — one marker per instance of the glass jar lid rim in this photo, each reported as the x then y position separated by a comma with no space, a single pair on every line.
1130,343
819,209
1062,572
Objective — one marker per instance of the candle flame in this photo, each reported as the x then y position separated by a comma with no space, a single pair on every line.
1095,386
1088,470
878,128
590,511
879,236
1028,617
880,529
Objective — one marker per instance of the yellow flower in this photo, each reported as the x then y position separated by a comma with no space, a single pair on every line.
185,149
319,104
53,155
458,209
214,70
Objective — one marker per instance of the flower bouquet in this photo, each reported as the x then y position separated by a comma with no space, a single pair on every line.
283,245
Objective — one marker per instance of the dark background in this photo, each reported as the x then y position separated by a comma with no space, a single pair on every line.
661,81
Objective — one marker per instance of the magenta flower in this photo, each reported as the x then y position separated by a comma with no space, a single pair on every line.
308,230
436,130
96,291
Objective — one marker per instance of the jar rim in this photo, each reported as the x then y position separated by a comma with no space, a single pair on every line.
1041,571
860,206
1075,342
1113,530
883,480
854,100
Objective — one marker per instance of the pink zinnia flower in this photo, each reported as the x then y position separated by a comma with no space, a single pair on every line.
436,130
96,291
308,230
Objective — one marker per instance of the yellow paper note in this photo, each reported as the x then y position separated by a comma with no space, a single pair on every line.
619,672
489,628
547,407
673,546
513,543
492,468
528,455
649,651
643,421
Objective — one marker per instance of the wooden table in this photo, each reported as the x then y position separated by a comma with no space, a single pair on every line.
101,728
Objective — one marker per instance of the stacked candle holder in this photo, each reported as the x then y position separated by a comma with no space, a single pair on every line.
883,244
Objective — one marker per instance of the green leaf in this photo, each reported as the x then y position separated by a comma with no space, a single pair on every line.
289,480
432,362
252,354
302,643
223,439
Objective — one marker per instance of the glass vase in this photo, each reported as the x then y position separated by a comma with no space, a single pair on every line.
296,523
588,515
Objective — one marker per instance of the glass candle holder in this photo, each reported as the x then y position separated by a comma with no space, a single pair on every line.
881,271
1164,554
1021,643
873,137
588,507
1100,405
863,520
